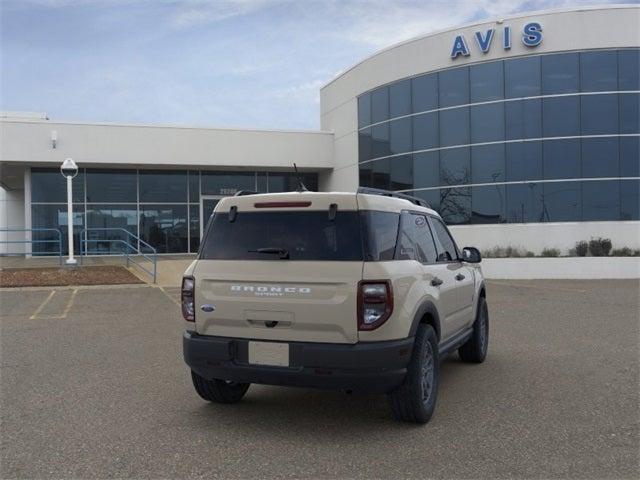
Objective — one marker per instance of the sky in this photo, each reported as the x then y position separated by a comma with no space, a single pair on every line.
219,63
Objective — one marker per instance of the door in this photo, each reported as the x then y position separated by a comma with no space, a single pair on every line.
207,204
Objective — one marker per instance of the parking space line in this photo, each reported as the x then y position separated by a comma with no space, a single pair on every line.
58,316
42,305
170,297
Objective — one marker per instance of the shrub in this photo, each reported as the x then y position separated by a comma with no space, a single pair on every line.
550,252
582,248
506,252
625,252
600,247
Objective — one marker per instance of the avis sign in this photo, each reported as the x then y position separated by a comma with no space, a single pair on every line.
531,37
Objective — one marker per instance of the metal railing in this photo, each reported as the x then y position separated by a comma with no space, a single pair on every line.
31,241
128,250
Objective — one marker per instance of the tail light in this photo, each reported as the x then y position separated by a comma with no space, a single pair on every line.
188,299
375,303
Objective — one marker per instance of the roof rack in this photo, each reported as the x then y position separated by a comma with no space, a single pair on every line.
242,193
389,193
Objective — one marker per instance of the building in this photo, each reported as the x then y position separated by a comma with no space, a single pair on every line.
522,131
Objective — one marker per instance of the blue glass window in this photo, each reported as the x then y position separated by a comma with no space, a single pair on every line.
455,166
562,202
455,205
364,110
112,186
380,174
165,227
432,197
400,135
630,156
522,77
426,169
454,87
454,127
523,161
561,116
523,119
629,70
629,113
600,157
599,71
288,182
524,203
380,141
53,216
487,164
227,183
194,186
400,99
601,200
365,175
194,228
561,159
487,81
365,145
113,217
487,123
424,92
560,73
488,204
163,186
425,131
401,174
48,185
380,105
599,114
630,199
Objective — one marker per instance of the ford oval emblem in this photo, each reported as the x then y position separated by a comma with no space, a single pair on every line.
207,308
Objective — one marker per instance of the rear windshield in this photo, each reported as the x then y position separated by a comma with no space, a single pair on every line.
284,235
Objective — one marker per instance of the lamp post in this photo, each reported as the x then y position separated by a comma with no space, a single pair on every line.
69,169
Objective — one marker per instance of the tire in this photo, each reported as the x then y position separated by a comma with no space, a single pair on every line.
219,391
415,400
475,349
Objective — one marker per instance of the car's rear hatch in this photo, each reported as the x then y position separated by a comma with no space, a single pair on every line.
281,267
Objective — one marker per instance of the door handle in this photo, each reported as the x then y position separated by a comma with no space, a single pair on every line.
436,282
460,277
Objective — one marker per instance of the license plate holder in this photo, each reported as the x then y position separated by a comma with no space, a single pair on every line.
274,354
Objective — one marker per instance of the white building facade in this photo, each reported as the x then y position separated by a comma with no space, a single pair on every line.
522,132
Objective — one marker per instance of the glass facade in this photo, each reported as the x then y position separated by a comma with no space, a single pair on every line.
161,207
543,138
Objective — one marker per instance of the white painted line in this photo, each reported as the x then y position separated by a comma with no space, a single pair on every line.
42,305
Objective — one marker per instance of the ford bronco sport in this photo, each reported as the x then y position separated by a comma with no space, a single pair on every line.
361,292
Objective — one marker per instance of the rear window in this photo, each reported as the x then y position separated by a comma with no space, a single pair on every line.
295,235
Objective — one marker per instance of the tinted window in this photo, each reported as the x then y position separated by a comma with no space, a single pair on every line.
217,183
629,70
401,174
562,202
365,144
380,174
447,250
600,157
601,200
523,161
400,135
561,116
487,81
379,234
118,186
426,169
112,217
455,166
487,123
523,119
380,105
424,92
487,164
194,186
165,227
416,242
524,203
630,200
454,87
630,156
598,71
365,175
454,127
304,236
561,159
455,205
560,73
48,185
53,216
262,182
522,77
194,227
629,113
364,110
288,182
599,114
380,141
400,98
163,186
488,204
425,131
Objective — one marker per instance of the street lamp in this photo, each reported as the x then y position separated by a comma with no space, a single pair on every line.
69,169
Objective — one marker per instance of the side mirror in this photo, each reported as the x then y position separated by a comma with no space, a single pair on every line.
471,255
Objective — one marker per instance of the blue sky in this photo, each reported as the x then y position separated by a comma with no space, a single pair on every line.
242,63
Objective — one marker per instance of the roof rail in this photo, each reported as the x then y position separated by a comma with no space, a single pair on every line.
242,193
389,193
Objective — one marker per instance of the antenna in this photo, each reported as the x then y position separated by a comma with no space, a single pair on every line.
301,186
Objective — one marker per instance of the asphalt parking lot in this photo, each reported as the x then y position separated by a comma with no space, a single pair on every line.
93,386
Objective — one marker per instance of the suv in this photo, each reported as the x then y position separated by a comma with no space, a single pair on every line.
361,292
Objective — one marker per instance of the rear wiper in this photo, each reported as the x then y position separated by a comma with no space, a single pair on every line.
281,252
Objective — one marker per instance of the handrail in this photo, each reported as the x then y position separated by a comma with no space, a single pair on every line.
149,256
32,241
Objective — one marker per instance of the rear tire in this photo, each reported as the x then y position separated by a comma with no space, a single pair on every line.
219,391
475,349
415,400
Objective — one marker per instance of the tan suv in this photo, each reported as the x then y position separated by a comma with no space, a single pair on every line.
361,292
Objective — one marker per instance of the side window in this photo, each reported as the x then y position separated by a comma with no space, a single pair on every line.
447,250
379,234
415,242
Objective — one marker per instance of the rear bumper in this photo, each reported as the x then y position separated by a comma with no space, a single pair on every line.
374,367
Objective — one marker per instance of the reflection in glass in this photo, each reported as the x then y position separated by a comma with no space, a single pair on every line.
424,92
630,199
194,186
194,228
455,166
599,114
364,110
601,200
401,172
114,218
425,131
400,135
562,202
629,113
455,205
163,186
288,182
453,87
560,73
487,123
561,158
380,141
400,98
49,186
111,186
598,71
380,105
164,227
629,69
364,173
380,175
523,161
522,77
454,127
432,197
600,157
488,204
630,156
365,145
426,169
487,164
561,116
227,183
524,203
54,216
523,119
487,81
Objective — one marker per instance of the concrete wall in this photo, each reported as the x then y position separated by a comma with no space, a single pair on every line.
11,216
561,268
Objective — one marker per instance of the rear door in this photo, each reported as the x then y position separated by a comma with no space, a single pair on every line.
288,275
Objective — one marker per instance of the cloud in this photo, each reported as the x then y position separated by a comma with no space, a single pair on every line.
191,13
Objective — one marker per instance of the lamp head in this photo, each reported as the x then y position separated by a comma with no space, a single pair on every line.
69,169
